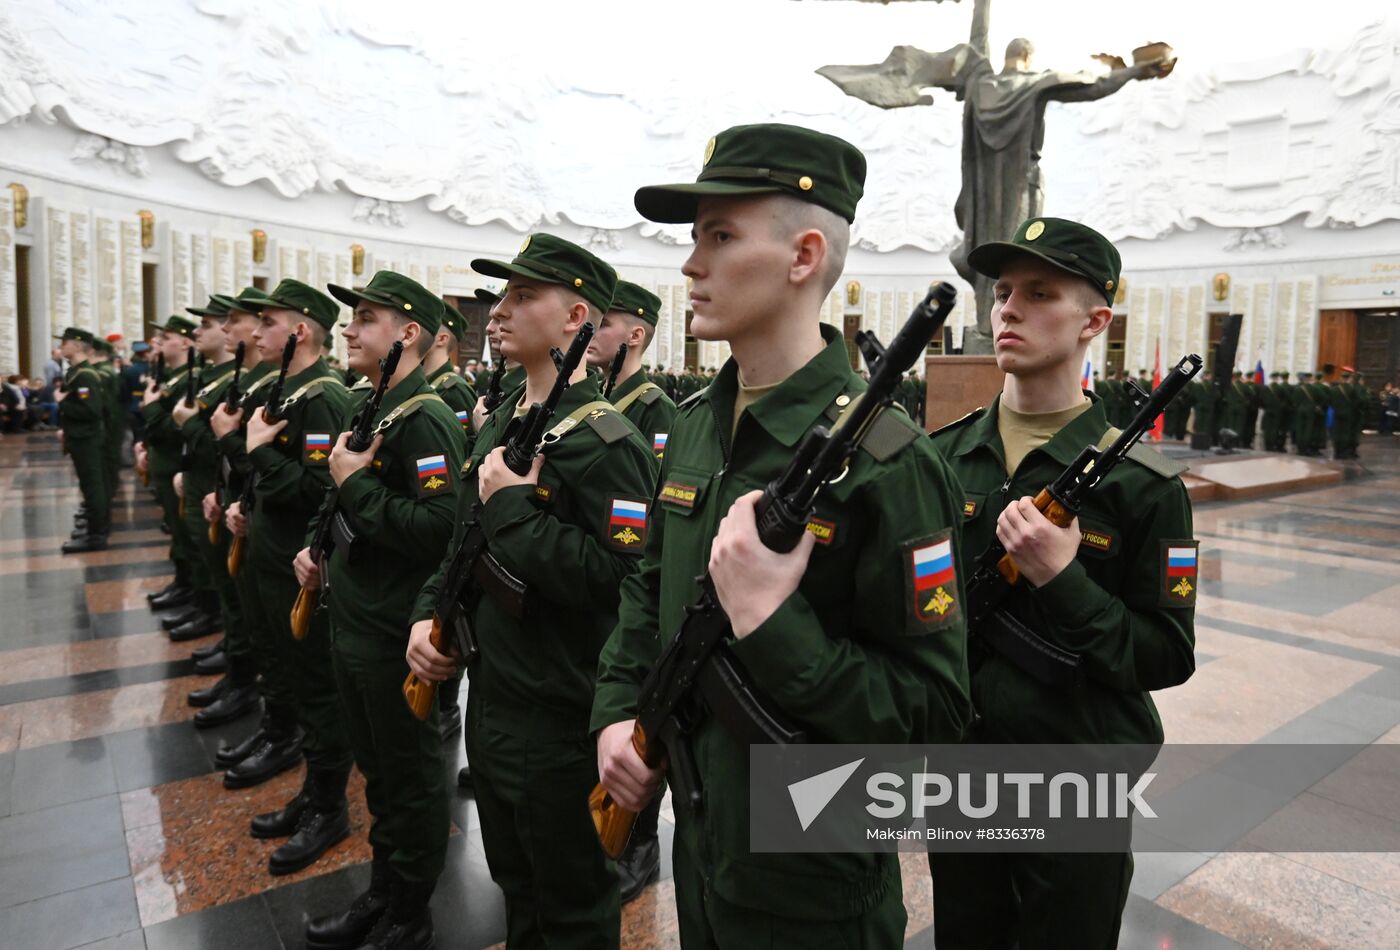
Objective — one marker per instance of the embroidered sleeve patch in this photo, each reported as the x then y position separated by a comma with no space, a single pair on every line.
83,392
823,531
658,444
432,475
1180,576
465,418
1095,539
679,494
627,524
969,508
933,579
317,450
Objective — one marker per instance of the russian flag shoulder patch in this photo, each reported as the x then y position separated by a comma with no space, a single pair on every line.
1180,573
627,523
930,564
316,448
432,475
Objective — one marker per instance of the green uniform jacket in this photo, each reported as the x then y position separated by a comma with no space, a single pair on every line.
535,675
116,399
203,449
83,412
293,471
1206,402
652,412
856,654
162,439
457,393
234,446
1115,604
400,508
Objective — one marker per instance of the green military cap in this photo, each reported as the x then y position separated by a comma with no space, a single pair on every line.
182,326
388,289
636,301
1068,245
77,333
453,320
304,299
249,300
104,346
766,159
487,296
557,261
214,308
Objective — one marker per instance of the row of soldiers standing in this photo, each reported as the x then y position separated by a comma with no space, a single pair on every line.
1308,412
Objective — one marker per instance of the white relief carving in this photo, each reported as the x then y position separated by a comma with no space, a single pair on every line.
1253,239
127,158
388,110
387,214
601,240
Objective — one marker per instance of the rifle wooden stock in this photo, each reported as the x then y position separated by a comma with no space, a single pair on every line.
182,508
613,822
420,693
302,610
213,532
235,555
146,478
1058,515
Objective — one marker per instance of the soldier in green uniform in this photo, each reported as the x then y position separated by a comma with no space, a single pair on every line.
1253,403
1304,414
569,531
835,633
1234,406
290,458
115,428
632,319
1287,402
1103,592
1175,416
245,650
216,605
1271,407
390,520
1319,393
160,454
1205,407
82,413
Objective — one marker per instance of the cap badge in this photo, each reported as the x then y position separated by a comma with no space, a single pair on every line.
1036,229
709,151
526,245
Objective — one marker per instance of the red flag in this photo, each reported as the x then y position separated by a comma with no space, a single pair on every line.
1158,425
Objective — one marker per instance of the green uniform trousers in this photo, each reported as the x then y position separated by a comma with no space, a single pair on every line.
400,757
253,645
182,552
560,888
112,460
710,922
304,668
213,559
89,462
1064,900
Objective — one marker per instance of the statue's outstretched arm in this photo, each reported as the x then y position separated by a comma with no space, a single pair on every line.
1075,89
905,73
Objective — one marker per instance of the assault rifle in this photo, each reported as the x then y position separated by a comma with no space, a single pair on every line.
494,395
231,399
191,387
614,370
697,673
270,413
160,381
996,574
472,569
334,526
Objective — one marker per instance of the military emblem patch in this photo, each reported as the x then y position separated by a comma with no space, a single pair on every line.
465,418
544,493
658,444
969,508
432,475
678,494
823,531
627,524
933,579
1180,575
83,392
1095,539
317,449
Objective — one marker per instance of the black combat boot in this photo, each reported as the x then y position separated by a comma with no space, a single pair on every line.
409,923
177,593
274,722
90,542
201,626
283,822
216,662
239,699
348,929
208,650
181,615
276,753
324,823
209,694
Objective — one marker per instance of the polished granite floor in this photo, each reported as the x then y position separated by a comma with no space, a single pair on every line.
116,833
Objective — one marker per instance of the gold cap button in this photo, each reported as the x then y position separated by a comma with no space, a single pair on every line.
408,306
1108,286
306,310
843,400
641,312
578,281
805,183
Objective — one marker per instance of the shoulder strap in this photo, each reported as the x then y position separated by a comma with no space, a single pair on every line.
215,383
259,384
622,404
447,380
1146,456
405,409
594,413
309,388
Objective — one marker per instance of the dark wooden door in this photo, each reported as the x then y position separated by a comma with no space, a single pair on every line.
1378,347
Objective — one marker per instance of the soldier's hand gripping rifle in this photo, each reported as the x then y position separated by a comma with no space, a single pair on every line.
334,526
160,381
697,673
271,412
472,568
191,387
231,400
613,370
996,574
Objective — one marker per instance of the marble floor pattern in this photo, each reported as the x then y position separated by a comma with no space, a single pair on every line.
116,833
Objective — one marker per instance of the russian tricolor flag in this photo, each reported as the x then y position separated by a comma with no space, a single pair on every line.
465,418
1181,562
432,465
658,443
933,565
318,441
629,513
1088,373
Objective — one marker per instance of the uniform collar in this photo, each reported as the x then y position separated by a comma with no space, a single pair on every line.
1064,447
798,403
406,388
627,385
314,371
442,370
